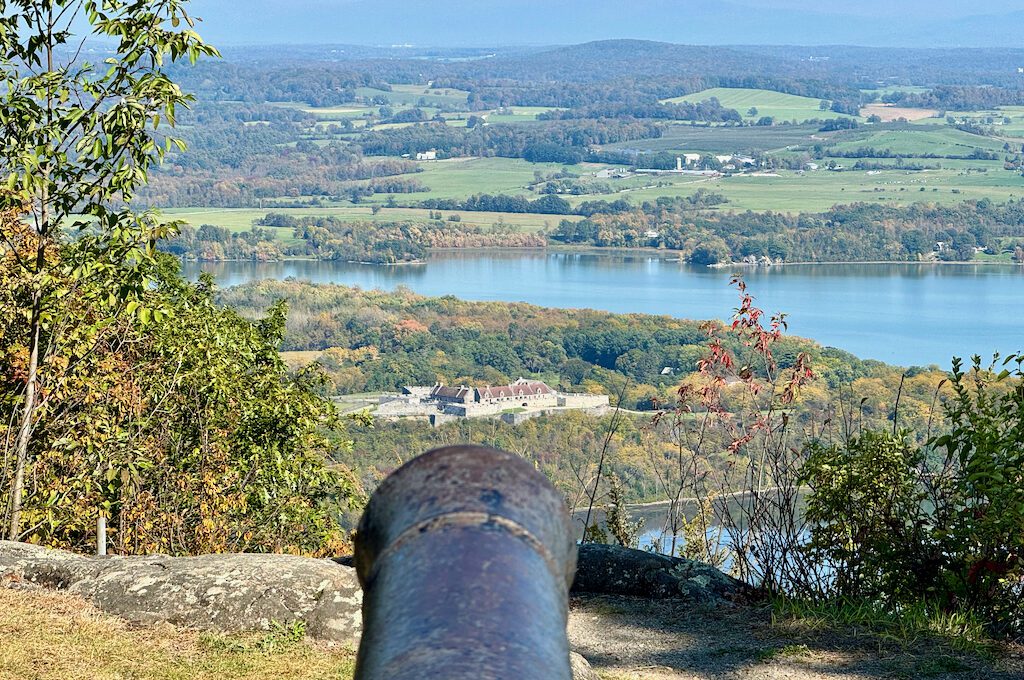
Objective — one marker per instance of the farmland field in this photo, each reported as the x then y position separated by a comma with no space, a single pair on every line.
724,139
412,95
516,114
890,113
241,219
459,178
768,103
919,140
788,191
329,113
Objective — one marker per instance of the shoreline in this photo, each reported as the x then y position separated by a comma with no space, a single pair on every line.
872,262
662,254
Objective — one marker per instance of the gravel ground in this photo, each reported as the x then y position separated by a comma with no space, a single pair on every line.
627,638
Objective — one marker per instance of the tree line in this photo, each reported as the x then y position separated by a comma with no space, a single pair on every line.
856,232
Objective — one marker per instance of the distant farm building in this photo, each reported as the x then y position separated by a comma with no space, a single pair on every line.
524,396
427,155
680,169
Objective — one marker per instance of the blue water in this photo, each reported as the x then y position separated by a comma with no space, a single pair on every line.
902,314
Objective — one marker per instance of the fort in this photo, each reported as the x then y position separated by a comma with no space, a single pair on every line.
513,403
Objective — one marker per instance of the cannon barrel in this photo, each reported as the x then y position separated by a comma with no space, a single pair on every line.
466,557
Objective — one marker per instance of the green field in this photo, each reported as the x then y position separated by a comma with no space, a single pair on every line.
681,138
917,140
768,103
784,190
516,114
241,219
789,191
412,95
462,177
330,113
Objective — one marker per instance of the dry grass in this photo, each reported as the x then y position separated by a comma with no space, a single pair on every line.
889,113
52,636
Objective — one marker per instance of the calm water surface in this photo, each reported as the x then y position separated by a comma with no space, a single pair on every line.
902,314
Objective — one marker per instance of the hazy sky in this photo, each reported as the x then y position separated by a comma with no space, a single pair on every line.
510,22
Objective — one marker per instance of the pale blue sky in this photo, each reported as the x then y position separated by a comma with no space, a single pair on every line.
514,22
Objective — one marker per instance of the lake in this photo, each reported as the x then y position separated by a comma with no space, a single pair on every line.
905,314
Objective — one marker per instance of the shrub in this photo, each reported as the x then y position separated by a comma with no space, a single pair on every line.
980,497
941,526
866,515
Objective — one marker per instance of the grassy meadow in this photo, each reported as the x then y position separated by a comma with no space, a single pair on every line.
680,138
412,95
777,105
241,219
918,140
516,114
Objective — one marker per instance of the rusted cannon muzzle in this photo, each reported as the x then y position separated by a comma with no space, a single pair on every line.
465,556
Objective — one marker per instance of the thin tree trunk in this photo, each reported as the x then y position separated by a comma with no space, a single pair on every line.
35,323
27,422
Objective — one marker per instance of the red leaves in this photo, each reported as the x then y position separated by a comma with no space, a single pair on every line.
754,411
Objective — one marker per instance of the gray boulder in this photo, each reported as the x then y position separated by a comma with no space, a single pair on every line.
250,592
614,570
214,592
581,669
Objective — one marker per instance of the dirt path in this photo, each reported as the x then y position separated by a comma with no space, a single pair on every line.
626,638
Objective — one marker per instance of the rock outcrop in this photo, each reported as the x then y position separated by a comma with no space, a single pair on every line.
614,570
213,592
250,592
581,669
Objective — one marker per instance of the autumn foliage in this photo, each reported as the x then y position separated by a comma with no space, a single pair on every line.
172,416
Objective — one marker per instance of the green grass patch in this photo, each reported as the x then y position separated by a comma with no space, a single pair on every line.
725,139
462,177
413,95
778,105
912,627
242,219
917,140
517,114
788,191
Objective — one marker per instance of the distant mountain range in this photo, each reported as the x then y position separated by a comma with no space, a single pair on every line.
902,23
608,60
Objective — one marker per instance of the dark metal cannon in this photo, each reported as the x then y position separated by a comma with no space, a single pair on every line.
465,556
